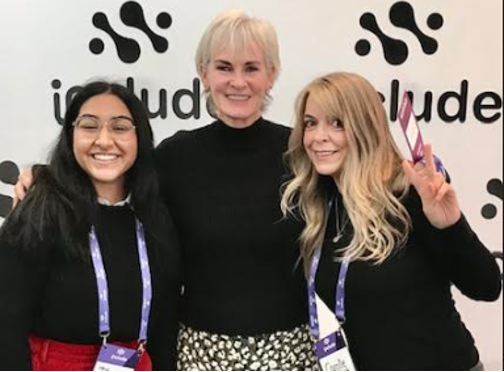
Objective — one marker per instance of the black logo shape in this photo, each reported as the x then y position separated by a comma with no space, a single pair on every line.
132,15
495,188
498,256
9,173
401,15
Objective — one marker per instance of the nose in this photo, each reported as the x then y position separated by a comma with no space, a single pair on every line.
104,138
238,80
320,132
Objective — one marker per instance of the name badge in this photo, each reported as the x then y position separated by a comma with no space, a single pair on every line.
116,358
333,354
332,348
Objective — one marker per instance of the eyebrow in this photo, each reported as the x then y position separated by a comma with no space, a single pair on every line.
88,116
248,63
113,117
222,61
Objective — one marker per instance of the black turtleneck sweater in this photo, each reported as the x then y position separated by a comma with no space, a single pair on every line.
222,186
400,315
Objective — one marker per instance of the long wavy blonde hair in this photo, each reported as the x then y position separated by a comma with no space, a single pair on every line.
371,180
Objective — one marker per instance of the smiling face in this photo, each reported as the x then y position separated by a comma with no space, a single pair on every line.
324,140
104,156
238,83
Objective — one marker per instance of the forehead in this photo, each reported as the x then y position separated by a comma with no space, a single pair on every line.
323,103
104,105
245,53
313,107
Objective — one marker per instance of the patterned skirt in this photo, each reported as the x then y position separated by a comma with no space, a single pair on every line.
282,351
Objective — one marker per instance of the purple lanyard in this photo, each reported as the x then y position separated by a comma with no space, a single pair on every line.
339,307
101,281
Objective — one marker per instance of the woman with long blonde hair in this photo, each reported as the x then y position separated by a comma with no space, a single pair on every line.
384,239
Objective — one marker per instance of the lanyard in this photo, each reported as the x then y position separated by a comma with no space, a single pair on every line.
101,280
339,307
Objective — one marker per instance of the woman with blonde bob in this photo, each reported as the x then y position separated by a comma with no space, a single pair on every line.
244,296
243,301
384,237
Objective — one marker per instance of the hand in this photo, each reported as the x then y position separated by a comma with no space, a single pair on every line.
24,182
439,199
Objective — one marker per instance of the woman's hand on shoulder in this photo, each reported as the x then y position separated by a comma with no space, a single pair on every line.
24,182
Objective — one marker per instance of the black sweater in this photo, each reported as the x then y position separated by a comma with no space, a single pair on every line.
400,314
222,186
47,294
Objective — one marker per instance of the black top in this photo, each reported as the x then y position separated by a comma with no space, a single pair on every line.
222,186
401,314
47,294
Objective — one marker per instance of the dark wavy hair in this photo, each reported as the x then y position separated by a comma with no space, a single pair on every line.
62,202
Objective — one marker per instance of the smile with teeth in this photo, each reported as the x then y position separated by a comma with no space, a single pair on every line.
105,157
325,153
237,97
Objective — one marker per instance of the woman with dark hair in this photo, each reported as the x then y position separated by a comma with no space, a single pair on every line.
243,304
89,259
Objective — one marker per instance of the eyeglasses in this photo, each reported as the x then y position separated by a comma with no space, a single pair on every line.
120,127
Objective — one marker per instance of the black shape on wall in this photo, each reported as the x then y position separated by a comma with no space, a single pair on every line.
132,15
498,256
401,15
9,173
494,188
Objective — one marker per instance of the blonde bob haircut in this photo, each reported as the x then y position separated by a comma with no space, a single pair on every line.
235,30
371,181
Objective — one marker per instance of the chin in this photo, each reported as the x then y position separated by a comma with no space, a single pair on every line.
324,171
106,178
240,115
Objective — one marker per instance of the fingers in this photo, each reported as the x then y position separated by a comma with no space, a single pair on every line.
438,180
411,174
419,166
19,193
26,179
24,182
425,186
442,191
429,159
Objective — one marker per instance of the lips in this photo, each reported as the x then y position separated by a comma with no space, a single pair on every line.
105,157
237,97
325,153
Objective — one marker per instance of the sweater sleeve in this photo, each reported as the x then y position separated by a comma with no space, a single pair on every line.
20,279
162,345
165,314
462,257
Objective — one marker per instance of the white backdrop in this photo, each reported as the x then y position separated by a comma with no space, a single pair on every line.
49,46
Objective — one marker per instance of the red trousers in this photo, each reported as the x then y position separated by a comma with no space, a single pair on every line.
49,355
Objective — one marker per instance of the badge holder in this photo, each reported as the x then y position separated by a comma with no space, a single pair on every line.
112,357
411,130
332,350
116,358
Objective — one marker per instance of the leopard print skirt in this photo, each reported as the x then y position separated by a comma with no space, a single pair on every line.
282,351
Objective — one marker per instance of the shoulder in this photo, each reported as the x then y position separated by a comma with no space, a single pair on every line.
27,246
278,134
280,129
172,152
182,138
